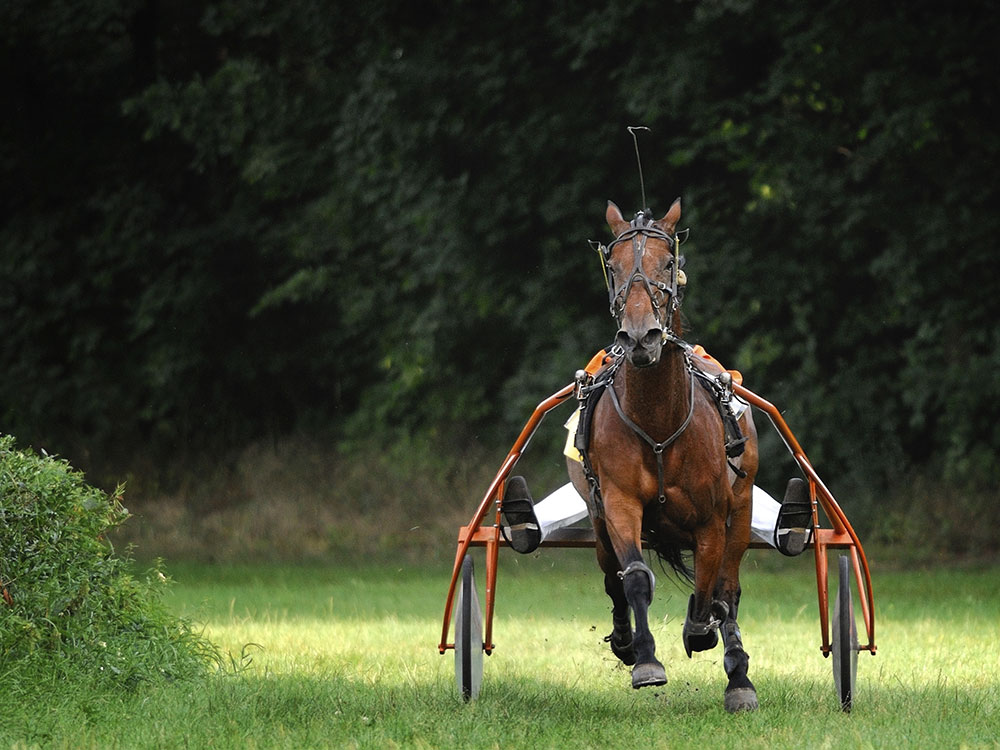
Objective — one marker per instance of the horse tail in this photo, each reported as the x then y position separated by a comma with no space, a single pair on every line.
672,555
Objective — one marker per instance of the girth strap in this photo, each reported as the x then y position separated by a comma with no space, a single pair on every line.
590,388
658,448
721,396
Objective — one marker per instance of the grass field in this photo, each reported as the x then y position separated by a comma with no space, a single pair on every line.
338,656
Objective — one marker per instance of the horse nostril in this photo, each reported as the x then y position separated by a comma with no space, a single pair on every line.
652,338
624,340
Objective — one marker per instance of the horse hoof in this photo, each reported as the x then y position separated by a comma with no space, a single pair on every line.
741,699
650,673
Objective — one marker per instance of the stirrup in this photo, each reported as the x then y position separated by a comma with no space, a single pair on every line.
793,529
519,525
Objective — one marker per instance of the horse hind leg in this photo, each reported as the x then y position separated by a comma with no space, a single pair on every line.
621,637
740,692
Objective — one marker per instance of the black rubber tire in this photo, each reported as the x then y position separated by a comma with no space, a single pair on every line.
468,635
844,643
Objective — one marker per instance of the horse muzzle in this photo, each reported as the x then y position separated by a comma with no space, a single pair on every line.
641,349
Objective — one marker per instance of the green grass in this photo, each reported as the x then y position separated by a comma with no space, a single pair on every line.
345,656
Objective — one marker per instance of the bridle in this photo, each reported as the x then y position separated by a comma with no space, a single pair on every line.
665,296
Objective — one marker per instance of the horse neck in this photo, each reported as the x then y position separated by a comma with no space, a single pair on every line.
657,398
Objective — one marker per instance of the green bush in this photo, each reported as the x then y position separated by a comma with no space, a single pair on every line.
71,608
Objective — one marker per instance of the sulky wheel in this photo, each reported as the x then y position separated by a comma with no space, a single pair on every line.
845,638
468,636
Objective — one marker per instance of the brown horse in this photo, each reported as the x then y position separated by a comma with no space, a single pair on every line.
659,466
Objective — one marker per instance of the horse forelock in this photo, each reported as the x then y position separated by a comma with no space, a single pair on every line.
641,219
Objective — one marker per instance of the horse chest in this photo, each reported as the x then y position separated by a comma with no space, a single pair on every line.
682,512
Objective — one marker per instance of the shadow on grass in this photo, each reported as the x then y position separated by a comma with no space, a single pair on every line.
265,710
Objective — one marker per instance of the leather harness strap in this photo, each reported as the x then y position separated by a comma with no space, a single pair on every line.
658,448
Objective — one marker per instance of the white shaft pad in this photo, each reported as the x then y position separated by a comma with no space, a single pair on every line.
561,508
565,506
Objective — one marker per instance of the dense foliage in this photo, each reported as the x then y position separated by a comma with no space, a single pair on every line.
70,607
248,217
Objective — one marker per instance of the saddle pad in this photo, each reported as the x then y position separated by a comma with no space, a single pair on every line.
570,450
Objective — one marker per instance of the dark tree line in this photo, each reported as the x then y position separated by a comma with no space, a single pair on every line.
245,218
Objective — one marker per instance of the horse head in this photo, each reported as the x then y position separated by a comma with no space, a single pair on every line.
643,281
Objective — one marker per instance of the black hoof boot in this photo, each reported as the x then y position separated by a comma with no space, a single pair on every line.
793,529
621,646
519,525
702,636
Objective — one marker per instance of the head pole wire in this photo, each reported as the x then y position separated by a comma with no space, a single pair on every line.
635,139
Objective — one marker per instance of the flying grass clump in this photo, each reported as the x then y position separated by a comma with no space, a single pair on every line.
69,607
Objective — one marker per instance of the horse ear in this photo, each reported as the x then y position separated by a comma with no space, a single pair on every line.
615,219
670,219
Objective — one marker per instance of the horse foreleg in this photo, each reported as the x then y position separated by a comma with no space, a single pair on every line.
705,613
638,583
623,527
